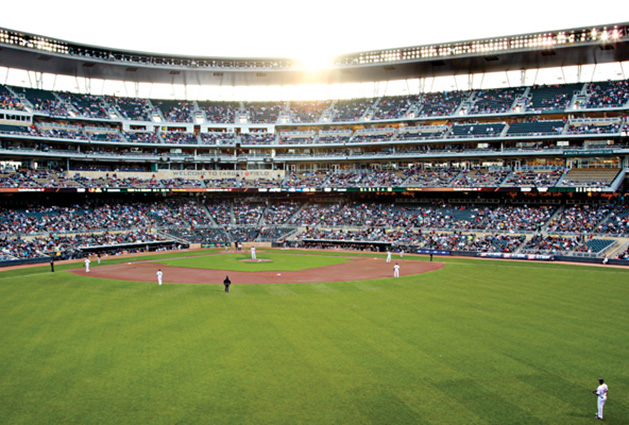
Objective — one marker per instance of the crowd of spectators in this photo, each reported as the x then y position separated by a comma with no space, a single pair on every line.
535,127
295,139
534,178
371,137
351,110
264,112
431,177
279,213
200,235
220,112
551,244
551,97
395,107
41,101
246,213
305,179
617,223
93,225
415,176
62,246
132,108
179,137
589,177
87,106
496,101
38,220
243,233
480,177
176,111
257,138
220,212
484,228
217,138
141,136
421,133
459,241
416,239
333,138
623,255
612,128
64,132
271,234
442,104
35,178
523,218
105,136
308,112
19,130
579,218
225,182
52,107
476,130
180,182
10,102
610,94
179,213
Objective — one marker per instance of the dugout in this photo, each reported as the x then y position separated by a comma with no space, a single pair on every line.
133,247
370,246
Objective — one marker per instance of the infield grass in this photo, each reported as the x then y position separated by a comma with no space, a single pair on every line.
274,261
477,342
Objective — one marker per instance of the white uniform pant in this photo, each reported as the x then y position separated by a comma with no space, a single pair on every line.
253,255
600,403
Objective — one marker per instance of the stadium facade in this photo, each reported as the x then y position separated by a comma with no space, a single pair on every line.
531,170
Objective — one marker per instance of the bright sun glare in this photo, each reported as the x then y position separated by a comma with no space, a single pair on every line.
315,60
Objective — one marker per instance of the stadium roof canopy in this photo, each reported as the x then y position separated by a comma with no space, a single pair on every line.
569,47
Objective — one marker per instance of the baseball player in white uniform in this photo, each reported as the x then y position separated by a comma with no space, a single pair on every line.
388,256
601,393
87,265
253,252
396,270
159,277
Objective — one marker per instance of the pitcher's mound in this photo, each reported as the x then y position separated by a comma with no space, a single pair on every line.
260,260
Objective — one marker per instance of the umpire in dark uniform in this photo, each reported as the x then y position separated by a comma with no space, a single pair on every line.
227,282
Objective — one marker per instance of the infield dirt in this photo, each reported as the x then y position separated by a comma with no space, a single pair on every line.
358,268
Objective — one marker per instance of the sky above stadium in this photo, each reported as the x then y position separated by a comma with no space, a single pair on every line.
281,28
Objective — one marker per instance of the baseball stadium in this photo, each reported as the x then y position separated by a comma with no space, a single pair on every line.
430,234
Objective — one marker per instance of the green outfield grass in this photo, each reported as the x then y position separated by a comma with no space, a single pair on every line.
477,342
